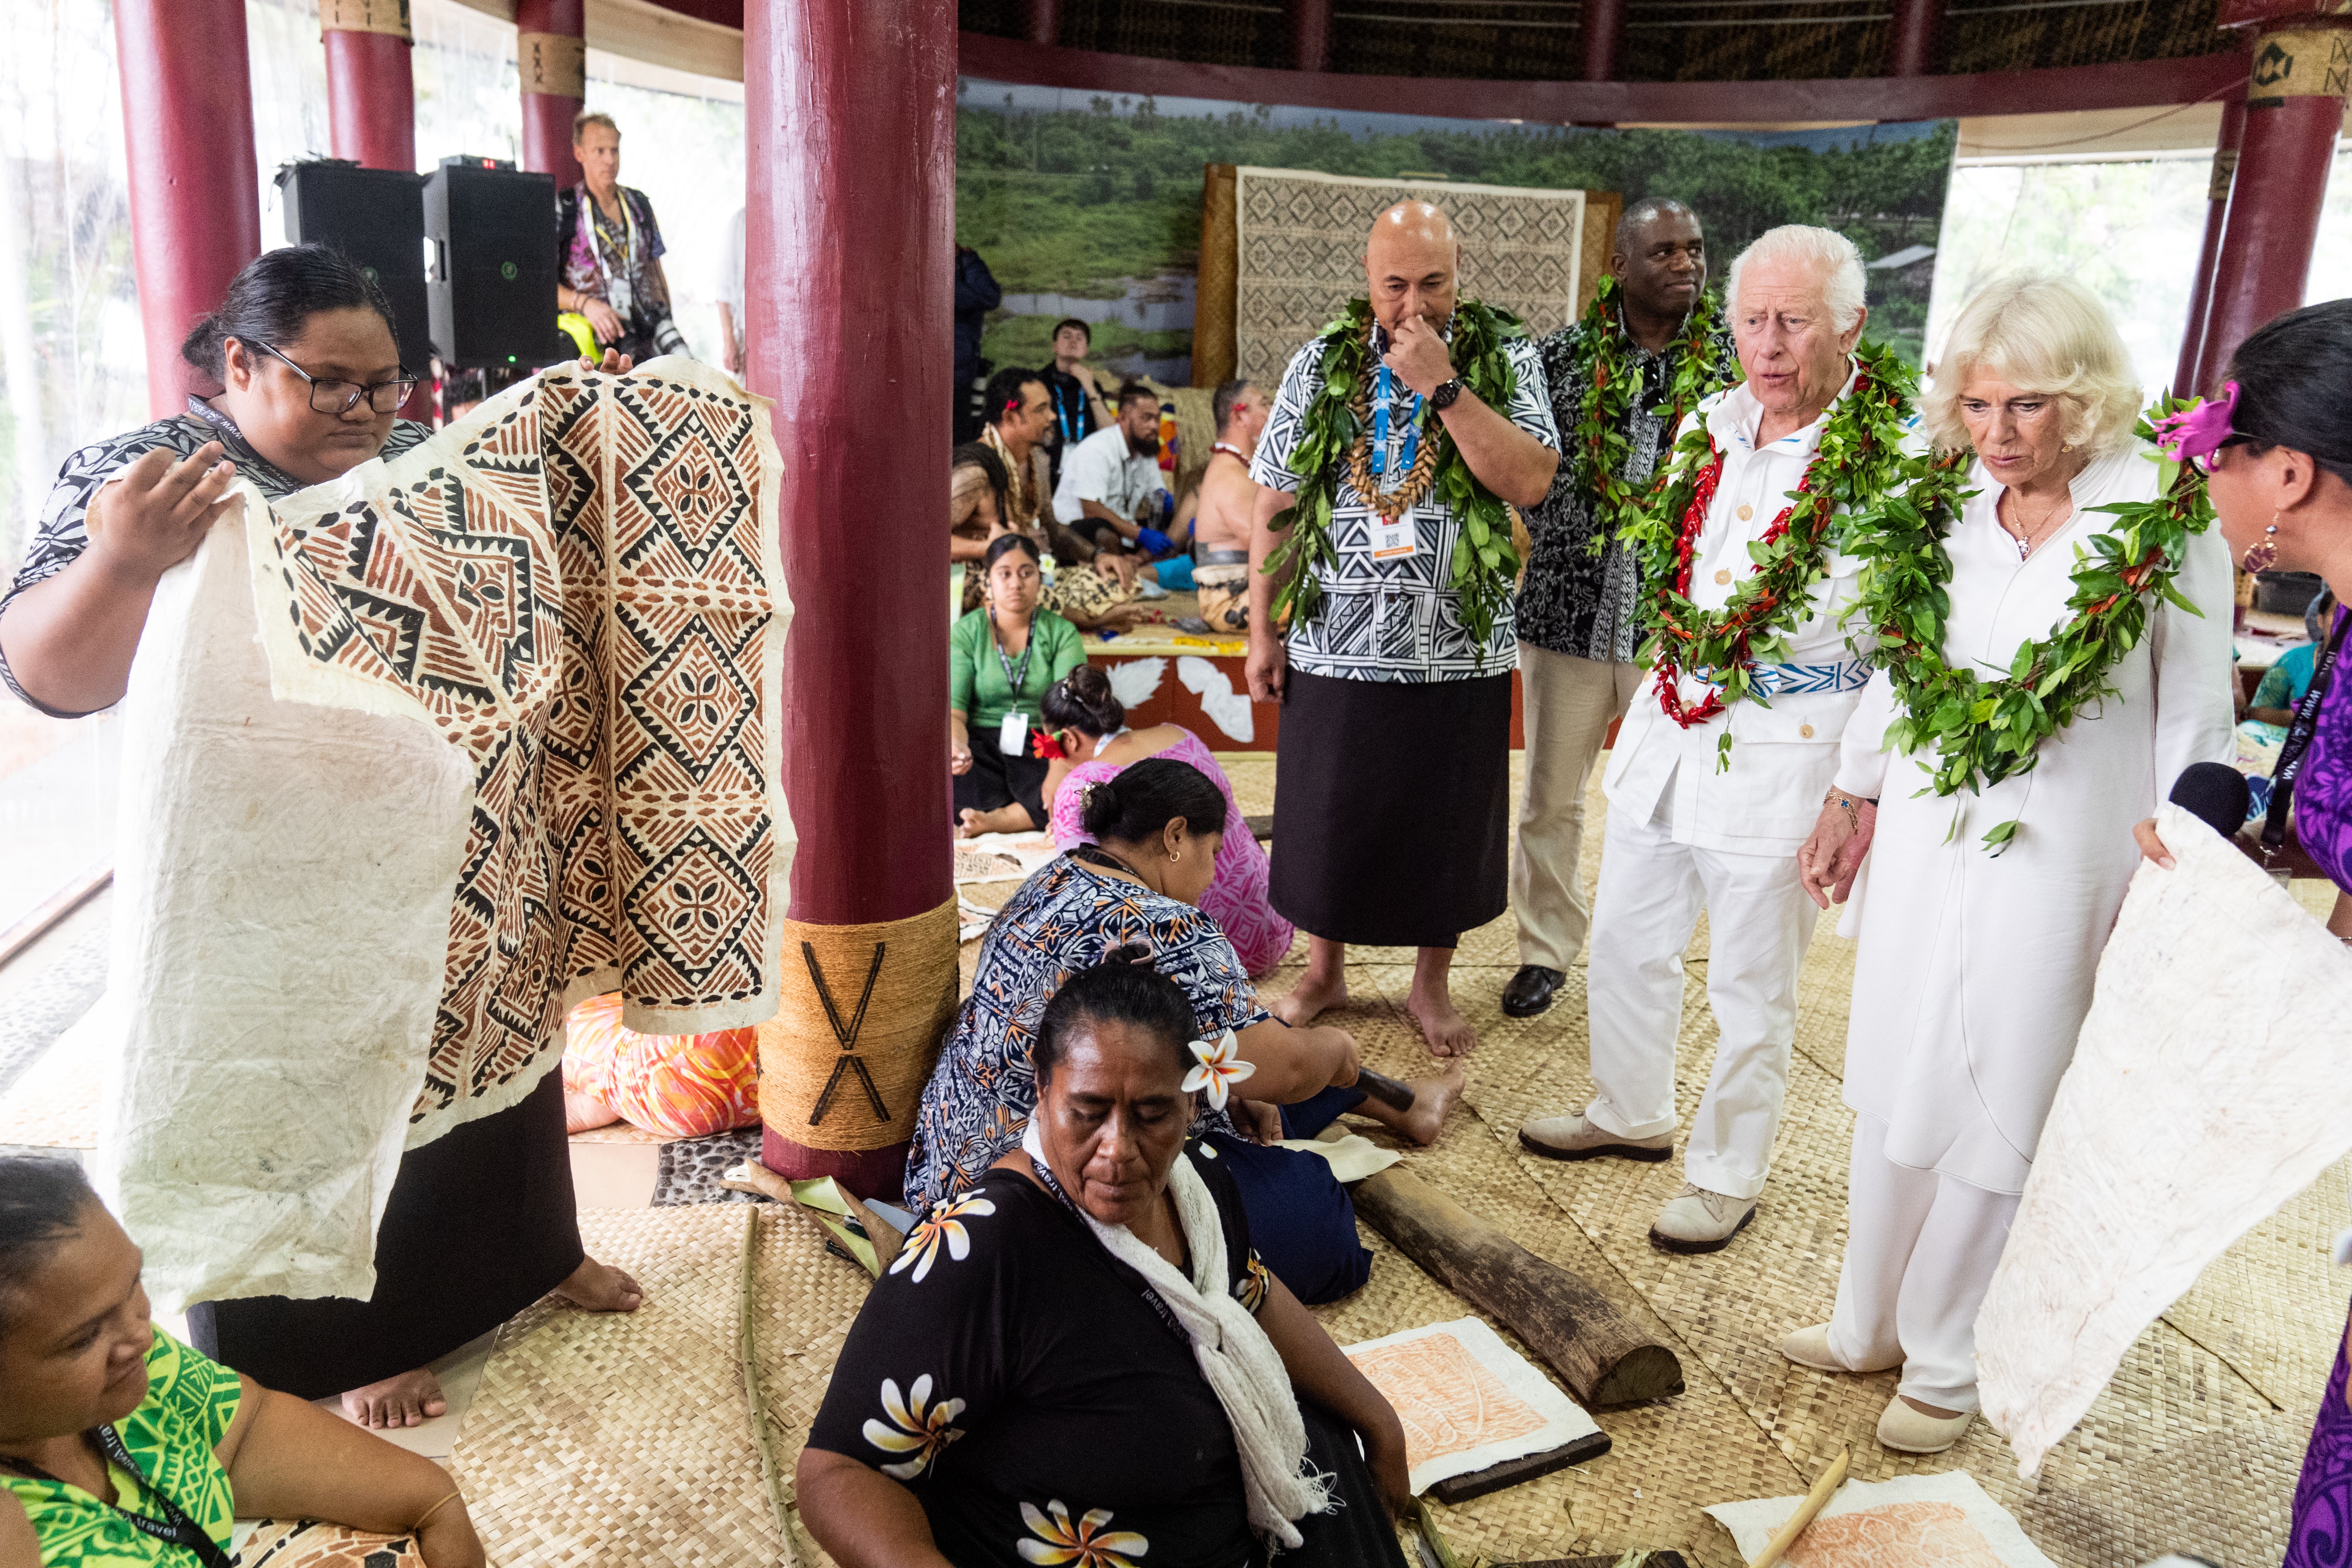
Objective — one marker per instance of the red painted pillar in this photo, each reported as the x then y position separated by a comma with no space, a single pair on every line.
1603,34
371,89
196,200
850,262
2217,211
1911,48
2294,111
1045,21
1310,35
552,47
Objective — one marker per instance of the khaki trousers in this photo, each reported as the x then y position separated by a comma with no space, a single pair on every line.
1568,705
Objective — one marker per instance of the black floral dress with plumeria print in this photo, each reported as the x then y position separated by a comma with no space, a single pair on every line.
1015,1377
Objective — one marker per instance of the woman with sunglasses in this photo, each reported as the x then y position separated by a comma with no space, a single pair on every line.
303,351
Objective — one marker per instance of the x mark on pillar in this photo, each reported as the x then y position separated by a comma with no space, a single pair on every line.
848,1061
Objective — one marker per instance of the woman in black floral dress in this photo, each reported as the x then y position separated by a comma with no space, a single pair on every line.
1081,1360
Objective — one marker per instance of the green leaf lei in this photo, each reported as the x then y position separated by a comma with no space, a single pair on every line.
1597,450
1984,730
1484,565
1860,459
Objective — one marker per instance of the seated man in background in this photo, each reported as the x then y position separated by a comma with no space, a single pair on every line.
1076,389
608,250
1111,493
1220,523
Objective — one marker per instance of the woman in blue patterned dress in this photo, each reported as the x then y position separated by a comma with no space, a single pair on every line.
1158,826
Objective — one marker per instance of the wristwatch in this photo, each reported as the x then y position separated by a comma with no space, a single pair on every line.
1446,391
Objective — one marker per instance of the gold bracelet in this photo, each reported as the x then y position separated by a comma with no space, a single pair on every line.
429,1512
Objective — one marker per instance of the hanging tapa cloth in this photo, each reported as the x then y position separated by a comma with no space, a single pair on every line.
416,760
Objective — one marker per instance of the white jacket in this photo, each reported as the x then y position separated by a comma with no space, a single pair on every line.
1784,755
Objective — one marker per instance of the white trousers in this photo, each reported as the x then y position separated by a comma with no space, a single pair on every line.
1919,1256
1567,704
1651,890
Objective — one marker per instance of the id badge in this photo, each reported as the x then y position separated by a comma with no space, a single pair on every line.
1012,737
1392,538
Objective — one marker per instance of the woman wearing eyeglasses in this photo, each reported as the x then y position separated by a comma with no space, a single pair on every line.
310,378
303,347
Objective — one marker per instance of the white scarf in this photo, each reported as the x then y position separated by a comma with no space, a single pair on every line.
1239,1363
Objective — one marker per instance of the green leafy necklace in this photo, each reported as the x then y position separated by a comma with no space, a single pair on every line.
1860,458
1336,437
1984,730
1597,450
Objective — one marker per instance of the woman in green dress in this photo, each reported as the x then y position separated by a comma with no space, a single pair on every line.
121,1445
1000,659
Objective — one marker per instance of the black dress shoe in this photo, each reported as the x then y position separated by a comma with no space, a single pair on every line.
1530,990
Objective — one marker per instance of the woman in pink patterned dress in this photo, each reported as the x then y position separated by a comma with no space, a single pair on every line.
1089,726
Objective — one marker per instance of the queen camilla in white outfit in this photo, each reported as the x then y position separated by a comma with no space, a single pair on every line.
1974,970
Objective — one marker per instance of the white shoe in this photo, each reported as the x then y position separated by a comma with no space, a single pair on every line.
1696,1220
1810,1347
1909,1431
1571,1137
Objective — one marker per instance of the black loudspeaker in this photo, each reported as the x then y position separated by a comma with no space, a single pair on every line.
376,217
491,290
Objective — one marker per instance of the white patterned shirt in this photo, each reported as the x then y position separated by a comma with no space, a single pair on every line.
1397,619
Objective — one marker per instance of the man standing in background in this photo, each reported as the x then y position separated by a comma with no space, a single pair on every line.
1579,604
976,294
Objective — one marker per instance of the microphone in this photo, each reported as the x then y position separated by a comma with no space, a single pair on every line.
2213,793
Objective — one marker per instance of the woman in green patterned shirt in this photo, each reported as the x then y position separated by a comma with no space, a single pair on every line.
122,1446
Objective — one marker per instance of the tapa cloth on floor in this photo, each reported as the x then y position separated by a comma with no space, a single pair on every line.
2210,1085
505,739
1912,1522
1468,1402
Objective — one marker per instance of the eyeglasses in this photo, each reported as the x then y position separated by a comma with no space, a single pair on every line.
341,397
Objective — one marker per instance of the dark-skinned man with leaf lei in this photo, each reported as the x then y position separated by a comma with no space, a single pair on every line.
1720,767
2053,618
1399,439
1650,346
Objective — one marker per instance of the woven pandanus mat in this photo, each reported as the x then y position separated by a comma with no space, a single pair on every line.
625,1438
2181,1453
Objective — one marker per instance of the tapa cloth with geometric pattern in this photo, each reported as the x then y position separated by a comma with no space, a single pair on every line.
416,760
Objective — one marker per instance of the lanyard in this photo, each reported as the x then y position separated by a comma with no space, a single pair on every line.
1071,434
2298,742
1381,391
174,1529
1016,677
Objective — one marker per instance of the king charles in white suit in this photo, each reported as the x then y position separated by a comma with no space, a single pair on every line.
1686,835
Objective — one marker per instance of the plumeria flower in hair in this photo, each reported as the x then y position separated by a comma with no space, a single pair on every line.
1220,1068
2196,432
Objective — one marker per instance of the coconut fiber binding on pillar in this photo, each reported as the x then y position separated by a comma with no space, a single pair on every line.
844,1061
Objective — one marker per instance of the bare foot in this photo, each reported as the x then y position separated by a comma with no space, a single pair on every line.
585,1112
972,827
1445,1030
1431,1099
409,1400
601,1288
1938,1411
1310,998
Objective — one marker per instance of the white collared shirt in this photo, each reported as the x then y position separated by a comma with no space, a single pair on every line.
1104,470
1783,755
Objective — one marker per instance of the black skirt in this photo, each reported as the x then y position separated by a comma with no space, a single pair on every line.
1393,802
997,780
480,1224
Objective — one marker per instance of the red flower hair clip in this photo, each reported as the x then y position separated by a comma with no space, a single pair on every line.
1044,744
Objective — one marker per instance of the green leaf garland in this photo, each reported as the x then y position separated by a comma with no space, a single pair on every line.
1984,730
1860,458
1484,564
1596,451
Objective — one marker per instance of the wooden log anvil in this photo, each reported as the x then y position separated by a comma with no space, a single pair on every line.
1598,1351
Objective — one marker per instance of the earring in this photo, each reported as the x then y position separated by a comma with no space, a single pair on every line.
2262,556
1174,855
